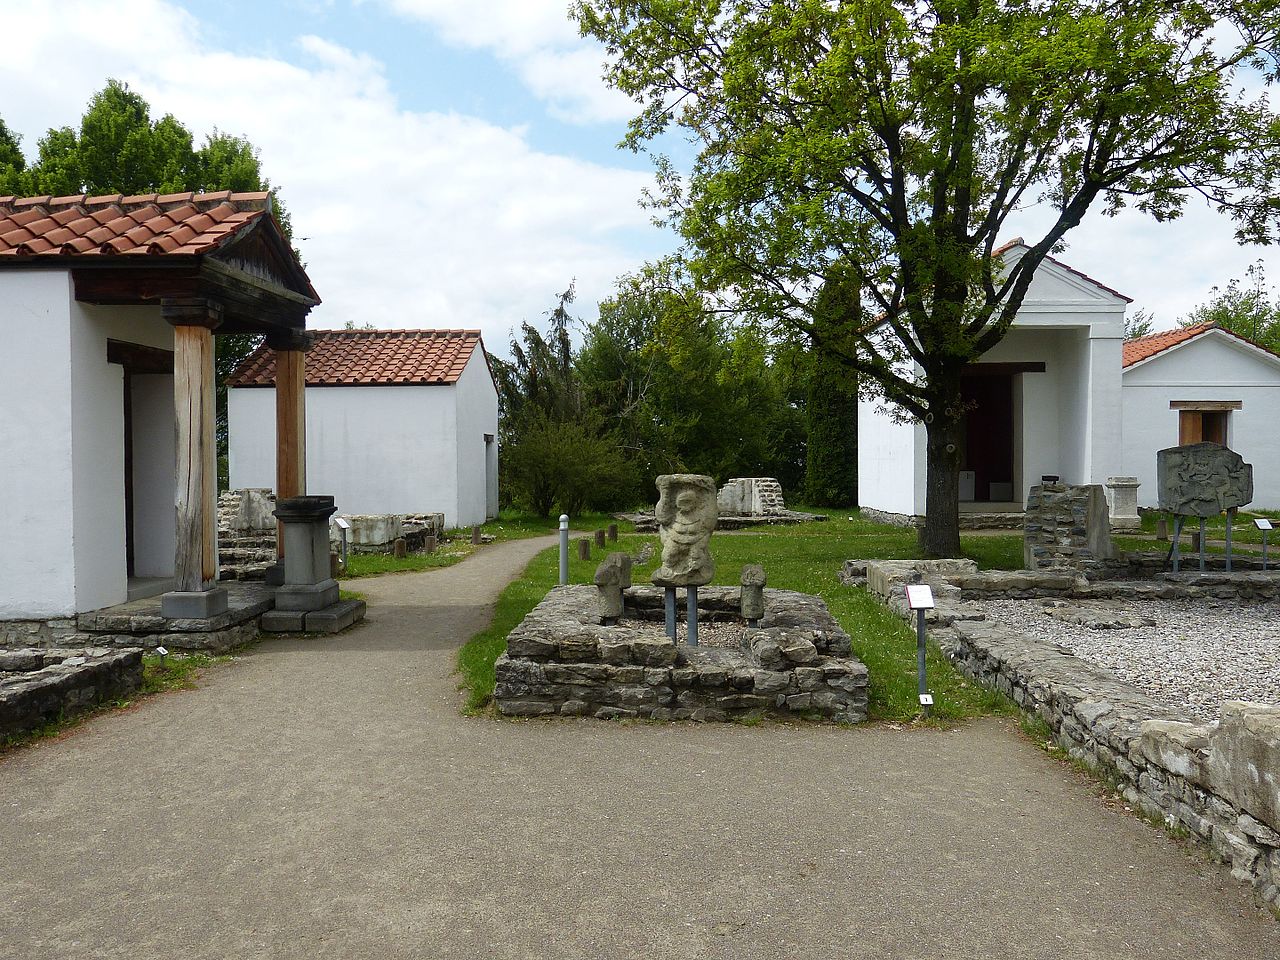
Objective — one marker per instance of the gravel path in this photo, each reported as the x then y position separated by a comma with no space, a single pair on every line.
1197,654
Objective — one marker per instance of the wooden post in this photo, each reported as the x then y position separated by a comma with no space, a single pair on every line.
584,548
196,547
291,418
475,536
613,533
599,535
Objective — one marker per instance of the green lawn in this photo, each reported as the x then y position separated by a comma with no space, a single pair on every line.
807,558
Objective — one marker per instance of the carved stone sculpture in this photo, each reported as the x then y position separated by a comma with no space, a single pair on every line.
686,515
1202,480
613,576
752,596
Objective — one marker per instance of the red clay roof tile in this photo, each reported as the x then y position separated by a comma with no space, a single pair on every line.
173,223
370,358
1141,348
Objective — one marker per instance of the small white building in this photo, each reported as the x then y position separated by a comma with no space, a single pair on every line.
109,309
1201,383
398,421
1043,401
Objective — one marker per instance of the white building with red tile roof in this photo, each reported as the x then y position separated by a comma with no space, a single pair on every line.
1044,401
109,309
1201,383
398,422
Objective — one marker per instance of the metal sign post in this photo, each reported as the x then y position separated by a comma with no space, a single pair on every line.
1263,524
343,526
564,549
920,599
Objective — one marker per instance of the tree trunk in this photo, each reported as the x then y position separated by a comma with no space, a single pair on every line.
940,535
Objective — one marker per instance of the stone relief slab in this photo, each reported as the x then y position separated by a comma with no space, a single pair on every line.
1202,480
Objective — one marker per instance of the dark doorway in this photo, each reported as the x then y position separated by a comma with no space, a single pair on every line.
988,443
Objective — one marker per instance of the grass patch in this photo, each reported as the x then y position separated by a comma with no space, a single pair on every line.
806,557
376,564
159,675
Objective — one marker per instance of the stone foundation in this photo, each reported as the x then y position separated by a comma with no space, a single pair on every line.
1220,781
36,633
560,660
968,521
39,686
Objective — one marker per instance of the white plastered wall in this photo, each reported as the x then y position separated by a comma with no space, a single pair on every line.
155,518
35,444
101,575
374,449
1212,367
477,411
889,478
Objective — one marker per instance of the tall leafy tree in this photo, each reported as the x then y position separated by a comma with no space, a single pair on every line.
118,148
831,459
1249,307
894,139
684,389
13,164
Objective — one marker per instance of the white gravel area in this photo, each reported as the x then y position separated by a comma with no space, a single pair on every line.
1199,653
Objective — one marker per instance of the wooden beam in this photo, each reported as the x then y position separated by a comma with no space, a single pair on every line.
196,556
1206,404
291,430
195,562
137,359
1001,369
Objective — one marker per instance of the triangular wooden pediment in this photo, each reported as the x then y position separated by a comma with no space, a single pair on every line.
265,254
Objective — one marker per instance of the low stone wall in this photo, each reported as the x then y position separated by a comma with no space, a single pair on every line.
39,686
36,633
968,521
561,660
1220,781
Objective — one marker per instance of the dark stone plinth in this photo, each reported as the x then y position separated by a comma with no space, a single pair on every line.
306,509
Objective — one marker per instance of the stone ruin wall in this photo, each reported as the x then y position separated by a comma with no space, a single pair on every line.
1220,782
39,686
560,660
1065,525
751,496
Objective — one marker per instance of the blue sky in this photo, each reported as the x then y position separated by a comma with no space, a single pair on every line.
454,164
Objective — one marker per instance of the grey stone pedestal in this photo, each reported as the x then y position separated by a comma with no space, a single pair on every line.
308,598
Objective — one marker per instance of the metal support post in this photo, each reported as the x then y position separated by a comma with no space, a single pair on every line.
1231,516
922,687
564,549
1177,541
1264,550
691,611
1202,544
671,612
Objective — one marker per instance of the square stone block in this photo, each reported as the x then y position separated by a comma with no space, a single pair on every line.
194,604
337,617
283,621
307,596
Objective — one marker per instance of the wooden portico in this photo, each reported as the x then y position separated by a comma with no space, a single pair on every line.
210,265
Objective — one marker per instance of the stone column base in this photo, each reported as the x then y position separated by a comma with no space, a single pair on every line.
194,604
307,596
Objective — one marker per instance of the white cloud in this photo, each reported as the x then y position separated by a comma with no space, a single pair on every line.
541,44
410,219
1167,268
